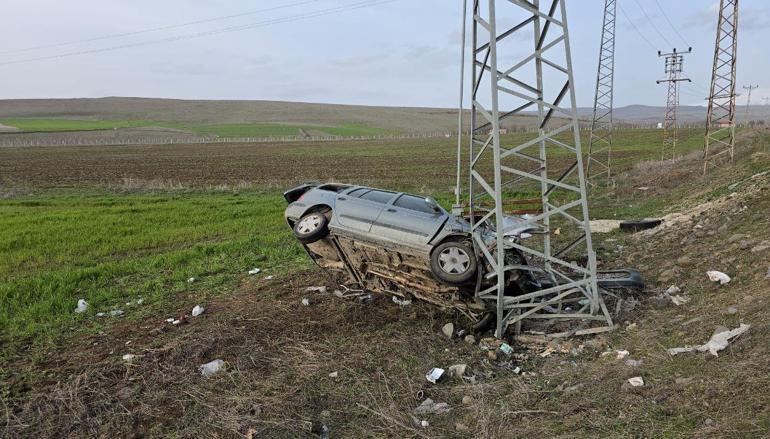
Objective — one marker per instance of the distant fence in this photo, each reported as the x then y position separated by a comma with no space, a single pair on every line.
63,139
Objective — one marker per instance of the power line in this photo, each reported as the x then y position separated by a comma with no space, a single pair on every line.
288,19
676,31
652,46
158,29
668,43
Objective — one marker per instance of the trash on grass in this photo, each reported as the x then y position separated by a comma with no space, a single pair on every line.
401,302
434,375
334,374
321,290
718,276
198,310
679,300
506,349
116,312
271,277
634,363
82,306
673,289
211,367
718,342
429,407
306,301
622,354
170,320
128,358
636,381
254,271
191,280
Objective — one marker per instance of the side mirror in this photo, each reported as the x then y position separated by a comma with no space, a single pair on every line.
433,205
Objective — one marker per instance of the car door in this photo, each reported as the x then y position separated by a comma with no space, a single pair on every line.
357,210
409,220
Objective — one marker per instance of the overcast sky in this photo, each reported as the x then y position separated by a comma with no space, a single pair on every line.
400,53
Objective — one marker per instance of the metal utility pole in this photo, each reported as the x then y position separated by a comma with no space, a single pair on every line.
674,70
600,146
720,122
549,164
750,88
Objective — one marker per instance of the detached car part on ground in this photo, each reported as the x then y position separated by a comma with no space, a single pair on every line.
403,244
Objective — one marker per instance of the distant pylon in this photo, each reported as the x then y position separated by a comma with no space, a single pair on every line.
748,101
600,147
720,123
674,69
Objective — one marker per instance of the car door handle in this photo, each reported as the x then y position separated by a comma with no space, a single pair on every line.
392,210
341,199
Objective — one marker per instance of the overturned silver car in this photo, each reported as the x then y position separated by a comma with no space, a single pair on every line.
403,244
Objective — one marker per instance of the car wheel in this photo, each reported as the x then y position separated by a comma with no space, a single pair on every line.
453,263
311,228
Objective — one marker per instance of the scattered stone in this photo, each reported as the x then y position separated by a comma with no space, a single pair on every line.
723,228
683,381
470,339
128,358
731,310
125,393
116,312
668,275
634,363
457,370
673,289
621,354
467,400
198,310
760,248
708,421
631,327
211,368
461,427
684,261
492,355
735,238
82,306
321,290
768,273
448,330
636,381
429,407
745,244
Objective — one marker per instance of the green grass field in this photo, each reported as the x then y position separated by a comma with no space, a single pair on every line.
110,249
221,130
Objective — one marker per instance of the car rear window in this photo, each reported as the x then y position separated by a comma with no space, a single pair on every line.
413,203
378,196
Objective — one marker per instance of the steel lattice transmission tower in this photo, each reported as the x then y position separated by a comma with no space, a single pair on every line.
674,70
600,146
750,88
548,164
720,122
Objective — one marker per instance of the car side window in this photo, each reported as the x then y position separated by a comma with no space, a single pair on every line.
378,196
358,192
413,203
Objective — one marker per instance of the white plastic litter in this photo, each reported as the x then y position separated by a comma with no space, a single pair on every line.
101,314
306,301
271,277
673,289
116,312
211,367
718,342
506,349
129,358
82,306
679,300
634,363
718,276
334,374
434,375
191,280
321,290
198,310
636,381
457,370
170,320
254,271
140,301
621,354
401,302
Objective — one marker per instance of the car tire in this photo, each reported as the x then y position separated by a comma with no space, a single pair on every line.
453,263
311,228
